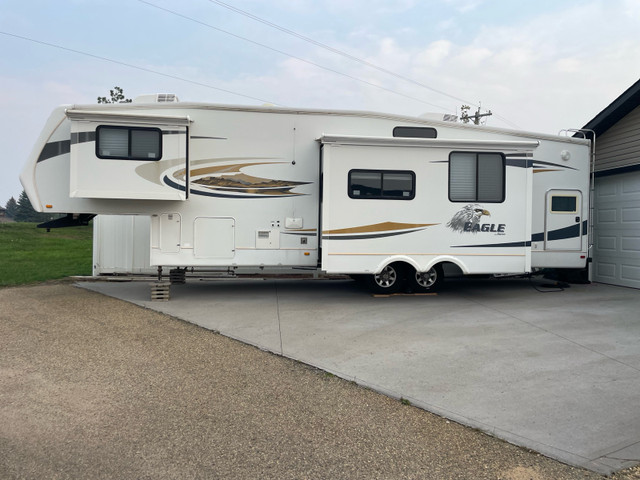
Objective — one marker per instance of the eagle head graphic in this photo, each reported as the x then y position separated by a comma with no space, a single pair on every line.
471,213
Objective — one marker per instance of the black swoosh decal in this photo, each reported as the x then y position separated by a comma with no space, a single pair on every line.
572,231
53,149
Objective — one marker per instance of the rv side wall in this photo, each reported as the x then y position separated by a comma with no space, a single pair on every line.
240,187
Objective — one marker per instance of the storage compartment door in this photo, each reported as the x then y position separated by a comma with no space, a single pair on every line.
214,237
170,232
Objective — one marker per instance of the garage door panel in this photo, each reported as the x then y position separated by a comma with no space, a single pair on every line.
630,186
606,243
606,270
631,245
631,215
607,215
617,230
606,190
631,273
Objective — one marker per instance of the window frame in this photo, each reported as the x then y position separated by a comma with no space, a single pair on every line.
382,196
477,157
130,131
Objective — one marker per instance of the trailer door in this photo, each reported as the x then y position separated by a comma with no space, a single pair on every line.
563,221
128,156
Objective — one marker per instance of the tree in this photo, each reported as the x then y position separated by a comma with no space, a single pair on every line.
26,213
24,209
117,96
11,208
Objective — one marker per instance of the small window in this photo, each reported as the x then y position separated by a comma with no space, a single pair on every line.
476,177
382,184
129,143
415,132
564,204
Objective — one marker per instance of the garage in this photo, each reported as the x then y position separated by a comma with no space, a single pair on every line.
616,203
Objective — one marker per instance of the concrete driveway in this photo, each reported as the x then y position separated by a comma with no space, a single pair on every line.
554,371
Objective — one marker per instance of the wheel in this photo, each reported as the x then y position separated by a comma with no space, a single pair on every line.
389,280
428,281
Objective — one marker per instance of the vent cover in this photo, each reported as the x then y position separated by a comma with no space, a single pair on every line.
156,98
167,97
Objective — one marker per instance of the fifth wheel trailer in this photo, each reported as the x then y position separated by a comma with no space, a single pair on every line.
385,197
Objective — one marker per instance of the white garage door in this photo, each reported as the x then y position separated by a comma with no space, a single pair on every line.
616,255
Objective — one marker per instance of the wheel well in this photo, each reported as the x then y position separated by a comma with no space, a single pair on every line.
405,267
451,269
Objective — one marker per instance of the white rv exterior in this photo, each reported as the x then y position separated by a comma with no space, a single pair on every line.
387,197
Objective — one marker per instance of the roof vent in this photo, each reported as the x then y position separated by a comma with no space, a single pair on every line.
167,97
157,98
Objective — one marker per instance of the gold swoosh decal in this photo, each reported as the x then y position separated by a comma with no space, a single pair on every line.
378,227
233,168
151,170
227,168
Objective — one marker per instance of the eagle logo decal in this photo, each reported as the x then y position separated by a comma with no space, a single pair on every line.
468,218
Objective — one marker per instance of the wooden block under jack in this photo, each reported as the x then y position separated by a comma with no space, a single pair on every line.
160,291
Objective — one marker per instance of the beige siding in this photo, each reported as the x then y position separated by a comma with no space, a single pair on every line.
620,145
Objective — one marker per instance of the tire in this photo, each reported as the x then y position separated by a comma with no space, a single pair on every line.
429,281
388,281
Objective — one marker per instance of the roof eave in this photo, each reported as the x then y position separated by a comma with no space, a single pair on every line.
617,110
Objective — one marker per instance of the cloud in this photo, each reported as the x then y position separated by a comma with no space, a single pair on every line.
464,6
369,7
545,73
433,55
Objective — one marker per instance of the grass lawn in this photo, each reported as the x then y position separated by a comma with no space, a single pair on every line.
30,255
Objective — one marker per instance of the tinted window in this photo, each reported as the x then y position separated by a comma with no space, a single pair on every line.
561,203
382,184
365,184
128,143
397,184
415,132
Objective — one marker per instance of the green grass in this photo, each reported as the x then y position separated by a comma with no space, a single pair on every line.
30,255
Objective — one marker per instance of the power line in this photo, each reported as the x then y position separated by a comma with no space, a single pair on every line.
117,62
337,72
347,55
337,51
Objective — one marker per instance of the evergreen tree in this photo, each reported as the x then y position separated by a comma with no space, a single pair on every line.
11,208
25,211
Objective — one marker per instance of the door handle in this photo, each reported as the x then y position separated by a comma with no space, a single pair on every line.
577,219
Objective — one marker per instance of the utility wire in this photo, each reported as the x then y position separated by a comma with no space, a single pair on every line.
144,69
349,56
336,51
371,84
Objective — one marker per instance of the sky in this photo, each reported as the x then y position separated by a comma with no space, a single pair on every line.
541,66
